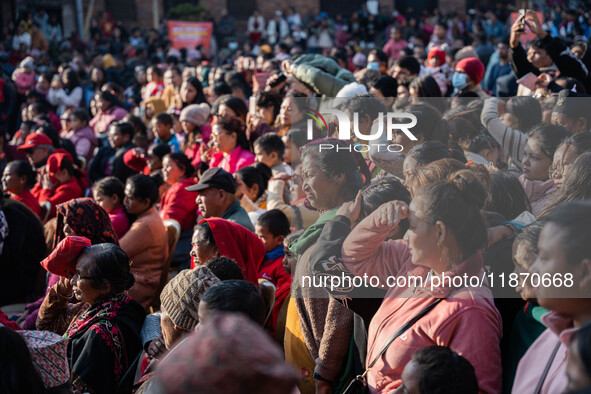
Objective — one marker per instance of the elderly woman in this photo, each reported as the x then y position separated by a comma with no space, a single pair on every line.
446,236
215,237
318,329
79,217
145,242
103,328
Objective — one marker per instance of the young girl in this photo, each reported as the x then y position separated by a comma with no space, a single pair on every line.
109,194
537,158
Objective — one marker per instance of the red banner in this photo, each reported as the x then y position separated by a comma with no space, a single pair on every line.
185,34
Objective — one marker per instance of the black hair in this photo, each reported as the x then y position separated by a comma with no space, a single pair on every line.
582,337
573,218
74,80
292,237
183,162
160,150
549,137
527,110
233,125
530,234
165,119
275,221
81,114
576,184
111,266
445,371
363,105
105,95
23,168
144,187
430,151
17,371
49,131
426,86
224,268
200,96
580,142
297,137
156,70
506,195
124,128
237,105
138,125
340,53
221,88
384,190
457,204
111,186
206,233
570,83
335,162
381,55
387,85
236,296
429,122
270,143
269,99
258,173
410,63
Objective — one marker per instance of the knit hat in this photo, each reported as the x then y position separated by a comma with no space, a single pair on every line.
48,351
227,354
359,60
180,297
195,113
438,53
473,68
27,62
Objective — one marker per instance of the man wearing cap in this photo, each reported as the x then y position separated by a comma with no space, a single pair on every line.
467,76
217,199
38,147
572,111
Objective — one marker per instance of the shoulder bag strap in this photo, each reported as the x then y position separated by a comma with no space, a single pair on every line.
547,368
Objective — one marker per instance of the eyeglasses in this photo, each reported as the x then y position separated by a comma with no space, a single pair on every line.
557,168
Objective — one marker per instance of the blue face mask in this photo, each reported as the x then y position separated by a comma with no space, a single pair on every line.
458,80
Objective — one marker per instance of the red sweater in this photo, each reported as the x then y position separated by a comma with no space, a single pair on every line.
273,271
58,194
27,198
179,204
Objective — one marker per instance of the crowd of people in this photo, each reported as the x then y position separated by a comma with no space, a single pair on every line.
161,209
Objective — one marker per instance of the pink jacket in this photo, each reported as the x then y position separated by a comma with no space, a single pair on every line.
24,81
539,193
100,123
468,322
236,160
533,362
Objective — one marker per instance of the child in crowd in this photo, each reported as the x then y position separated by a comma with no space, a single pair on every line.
269,149
163,132
272,228
81,135
109,194
438,369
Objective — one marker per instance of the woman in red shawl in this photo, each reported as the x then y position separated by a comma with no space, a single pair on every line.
219,237
81,217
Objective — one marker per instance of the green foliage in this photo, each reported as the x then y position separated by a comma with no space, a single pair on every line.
186,12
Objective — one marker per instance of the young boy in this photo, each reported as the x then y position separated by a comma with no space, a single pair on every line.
269,149
272,228
163,133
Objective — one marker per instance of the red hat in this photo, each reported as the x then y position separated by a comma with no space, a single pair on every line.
54,161
35,139
438,53
133,161
62,261
472,67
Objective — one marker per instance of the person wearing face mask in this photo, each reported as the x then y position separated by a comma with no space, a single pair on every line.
467,76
